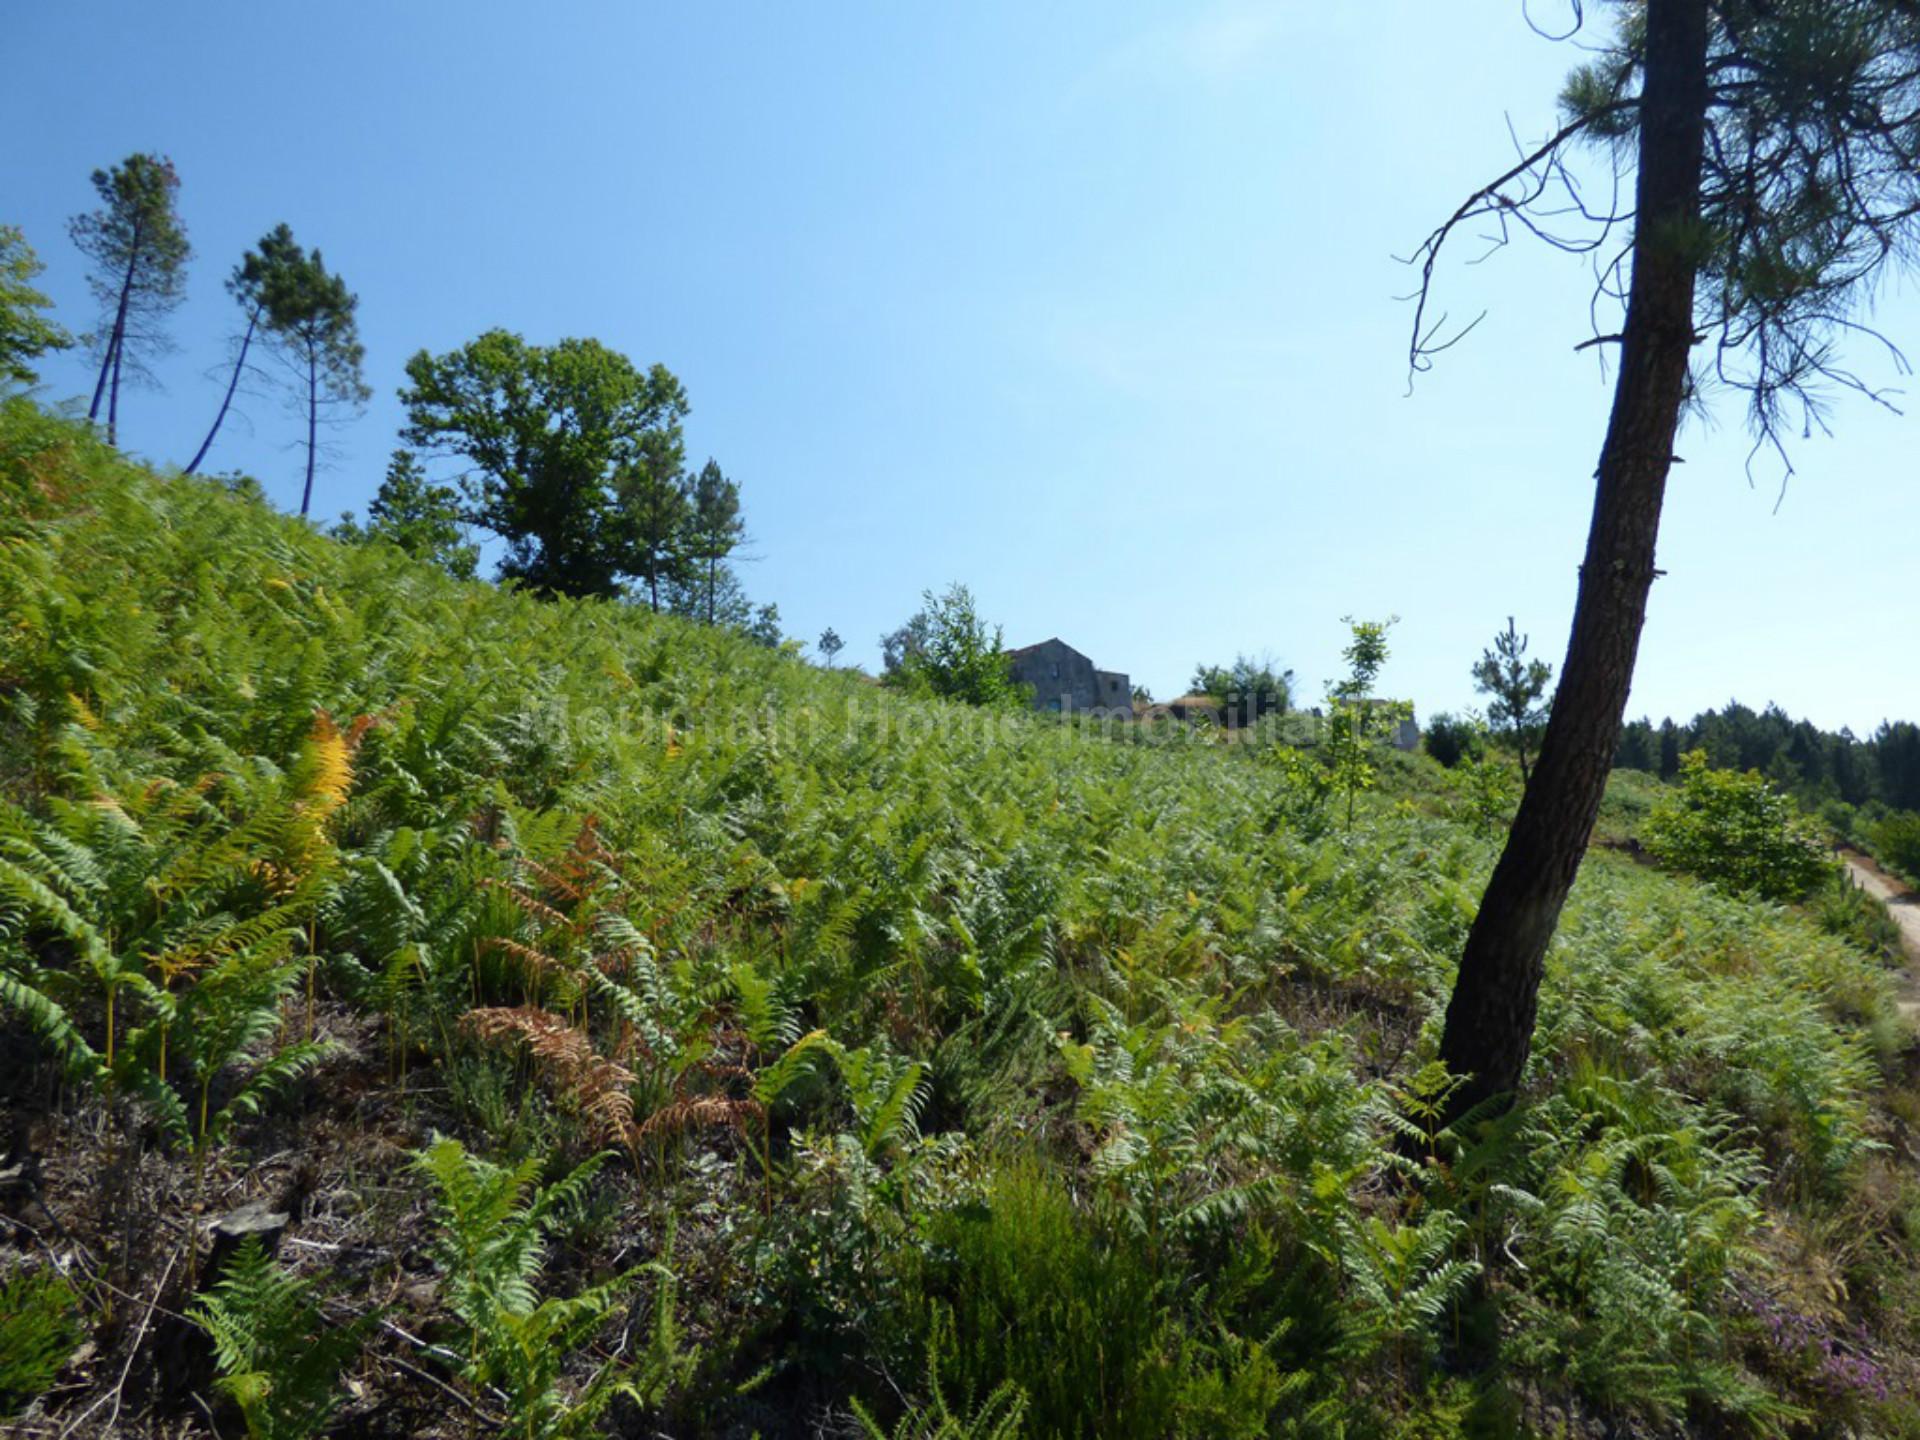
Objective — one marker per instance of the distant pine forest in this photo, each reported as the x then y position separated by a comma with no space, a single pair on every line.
1866,790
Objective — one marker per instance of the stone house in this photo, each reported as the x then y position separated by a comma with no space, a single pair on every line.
1064,680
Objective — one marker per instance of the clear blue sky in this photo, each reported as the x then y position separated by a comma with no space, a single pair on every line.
1089,304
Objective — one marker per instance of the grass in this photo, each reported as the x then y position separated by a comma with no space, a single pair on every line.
1068,1068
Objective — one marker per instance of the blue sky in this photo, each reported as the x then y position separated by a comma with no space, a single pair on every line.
1091,305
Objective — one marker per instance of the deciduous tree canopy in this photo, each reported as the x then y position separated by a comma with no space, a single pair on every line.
545,432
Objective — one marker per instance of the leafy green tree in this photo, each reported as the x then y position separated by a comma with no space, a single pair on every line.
546,433
898,647
830,645
310,319
139,251
25,335
764,626
259,273
1773,144
422,518
1357,721
1247,689
1738,830
953,655
714,527
1516,685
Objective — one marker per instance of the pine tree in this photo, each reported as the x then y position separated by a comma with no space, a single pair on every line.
310,317
139,249
1516,685
1669,750
714,529
1776,159
660,515
258,274
422,518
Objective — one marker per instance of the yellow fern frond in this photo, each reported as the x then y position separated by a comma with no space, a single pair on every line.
328,766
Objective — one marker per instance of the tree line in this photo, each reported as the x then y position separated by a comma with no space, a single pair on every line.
1820,768
570,454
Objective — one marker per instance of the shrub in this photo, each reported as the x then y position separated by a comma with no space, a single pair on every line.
1844,909
1041,1295
1737,831
1245,691
947,651
1453,738
1896,842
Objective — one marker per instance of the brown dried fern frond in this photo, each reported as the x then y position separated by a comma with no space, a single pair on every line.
533,905
699,1110
552,880
601,1089
536,960
357,731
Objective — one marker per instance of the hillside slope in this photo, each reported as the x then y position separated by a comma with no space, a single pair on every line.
941,1060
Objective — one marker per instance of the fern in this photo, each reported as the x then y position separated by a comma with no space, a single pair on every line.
279,1361
494,1224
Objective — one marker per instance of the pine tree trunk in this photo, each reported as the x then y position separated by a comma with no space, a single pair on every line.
1489,1026
713,577
113,395
313,426
233,384
110,362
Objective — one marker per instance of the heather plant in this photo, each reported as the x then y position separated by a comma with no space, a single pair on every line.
40,1328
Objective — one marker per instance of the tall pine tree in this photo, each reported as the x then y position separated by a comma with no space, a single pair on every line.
1776,145
715,528
253,280
659,511
310,319
139,251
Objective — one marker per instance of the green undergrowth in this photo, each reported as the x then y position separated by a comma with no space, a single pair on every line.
963,1071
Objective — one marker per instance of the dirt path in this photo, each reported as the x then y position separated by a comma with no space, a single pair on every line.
1904,906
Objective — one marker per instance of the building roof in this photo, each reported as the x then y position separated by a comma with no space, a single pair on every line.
1029,649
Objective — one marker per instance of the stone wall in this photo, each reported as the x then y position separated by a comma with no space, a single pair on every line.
1064,680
